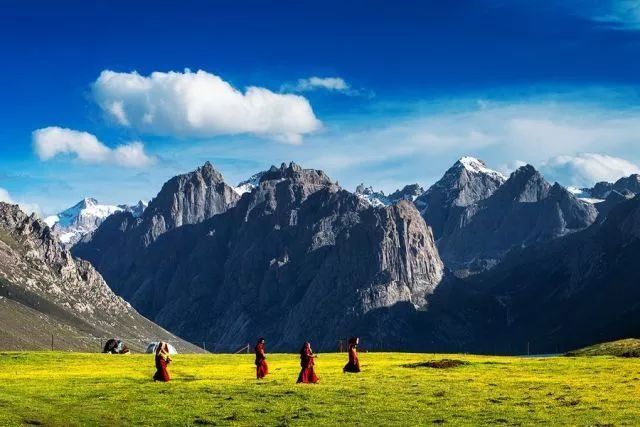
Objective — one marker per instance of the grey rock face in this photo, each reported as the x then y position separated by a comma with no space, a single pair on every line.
465,183
297,258
561,294
625,185
45,290
189,199
377,198
184,199
408,192
524,210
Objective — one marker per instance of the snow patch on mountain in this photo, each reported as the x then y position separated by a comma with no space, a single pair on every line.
378,198
248,185
369,195
474,165
136,210
84,217
583,194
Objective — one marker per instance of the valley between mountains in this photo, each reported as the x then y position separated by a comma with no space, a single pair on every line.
478,262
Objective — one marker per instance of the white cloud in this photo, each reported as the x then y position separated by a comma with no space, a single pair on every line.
29,208
331,84
327,83
4,196
201,104
419,147
52,141
586,168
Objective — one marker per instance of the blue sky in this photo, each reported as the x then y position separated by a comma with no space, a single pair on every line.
109,100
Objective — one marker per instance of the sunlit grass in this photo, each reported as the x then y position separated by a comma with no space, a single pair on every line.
81,389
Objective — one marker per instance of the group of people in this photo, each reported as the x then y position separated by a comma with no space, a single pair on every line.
307,372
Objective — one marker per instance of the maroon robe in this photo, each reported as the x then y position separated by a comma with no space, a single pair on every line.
161,368
307,374
354,364
261,362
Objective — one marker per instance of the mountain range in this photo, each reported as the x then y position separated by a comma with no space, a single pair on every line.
292,255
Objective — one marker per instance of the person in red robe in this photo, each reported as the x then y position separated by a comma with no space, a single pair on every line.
354,364
307,374
261,360
162,360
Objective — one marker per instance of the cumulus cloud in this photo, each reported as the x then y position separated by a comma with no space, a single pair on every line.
586,168
505,134
201,104
53,141
26,207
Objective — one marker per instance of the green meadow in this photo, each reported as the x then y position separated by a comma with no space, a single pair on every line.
40,388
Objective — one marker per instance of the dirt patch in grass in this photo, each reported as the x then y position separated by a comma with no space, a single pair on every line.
438,364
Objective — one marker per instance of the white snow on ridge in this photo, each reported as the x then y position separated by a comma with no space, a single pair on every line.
590,200
374,198
248,185
583,195
51,220
84,217
474,165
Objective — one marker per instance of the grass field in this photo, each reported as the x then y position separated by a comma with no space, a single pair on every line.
93,389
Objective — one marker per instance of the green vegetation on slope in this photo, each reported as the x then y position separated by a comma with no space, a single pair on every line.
623,348
81,389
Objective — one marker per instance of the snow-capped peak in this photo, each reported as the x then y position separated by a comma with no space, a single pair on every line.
374,198
136,210
474,165
82,218
248,185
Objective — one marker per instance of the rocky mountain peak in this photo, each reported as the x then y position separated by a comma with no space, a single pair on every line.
296,173
86,202
377,198
408,192
468,181
525,184
372,197
190,198
476,166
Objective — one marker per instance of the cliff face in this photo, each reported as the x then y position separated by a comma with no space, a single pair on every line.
185,199
522,211
297,258
467,182
46,291
562,294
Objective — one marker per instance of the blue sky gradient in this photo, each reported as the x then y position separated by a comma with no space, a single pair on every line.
507,81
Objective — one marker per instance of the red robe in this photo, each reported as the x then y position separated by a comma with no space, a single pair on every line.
261,362
307,374
161,368
354,363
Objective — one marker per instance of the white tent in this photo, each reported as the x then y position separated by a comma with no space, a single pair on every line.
151,348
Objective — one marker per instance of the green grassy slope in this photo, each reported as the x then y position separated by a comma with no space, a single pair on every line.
90,389
622,348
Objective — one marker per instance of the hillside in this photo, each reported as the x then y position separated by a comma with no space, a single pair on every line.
629,347
48,298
